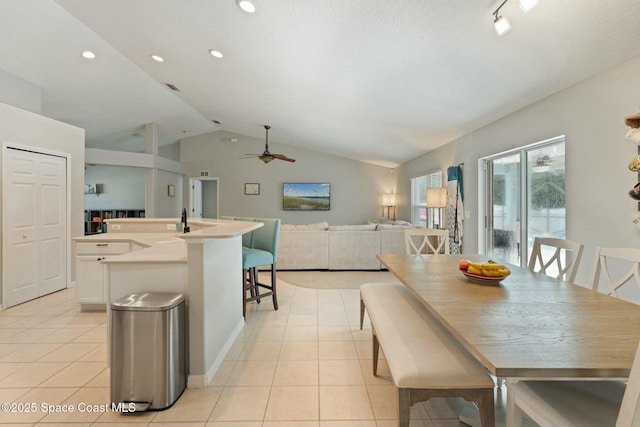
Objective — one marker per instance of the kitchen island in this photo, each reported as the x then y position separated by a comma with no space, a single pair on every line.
205,265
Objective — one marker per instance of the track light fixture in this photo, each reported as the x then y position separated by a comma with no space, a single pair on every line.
502,24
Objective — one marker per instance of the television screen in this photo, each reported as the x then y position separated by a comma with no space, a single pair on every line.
306,196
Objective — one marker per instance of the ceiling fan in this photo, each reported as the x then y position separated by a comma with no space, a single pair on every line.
266,156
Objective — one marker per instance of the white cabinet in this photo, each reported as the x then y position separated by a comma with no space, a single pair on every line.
90,271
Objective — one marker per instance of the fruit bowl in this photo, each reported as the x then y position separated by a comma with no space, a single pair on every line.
485,273
483,280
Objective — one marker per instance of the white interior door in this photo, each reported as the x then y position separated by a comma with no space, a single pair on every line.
34,225
196,198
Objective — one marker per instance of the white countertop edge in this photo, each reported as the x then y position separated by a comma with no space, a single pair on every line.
159,247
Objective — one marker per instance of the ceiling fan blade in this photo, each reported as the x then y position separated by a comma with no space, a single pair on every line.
283,157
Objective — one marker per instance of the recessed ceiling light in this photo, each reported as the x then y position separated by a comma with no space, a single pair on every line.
246,5
216,53
88,54
157,58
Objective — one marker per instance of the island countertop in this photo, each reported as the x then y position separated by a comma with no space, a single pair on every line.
163,246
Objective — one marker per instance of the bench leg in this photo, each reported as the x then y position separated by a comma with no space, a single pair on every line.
361,313
486,406
376,351
404,407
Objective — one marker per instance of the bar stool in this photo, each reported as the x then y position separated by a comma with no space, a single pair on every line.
263,251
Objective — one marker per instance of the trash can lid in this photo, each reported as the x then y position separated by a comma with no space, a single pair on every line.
148,301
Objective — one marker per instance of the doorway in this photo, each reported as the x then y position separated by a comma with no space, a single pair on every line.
34,224
204,197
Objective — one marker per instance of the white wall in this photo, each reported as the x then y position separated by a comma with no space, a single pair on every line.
123,187
356,187
20,93
169,207
30,129
591,115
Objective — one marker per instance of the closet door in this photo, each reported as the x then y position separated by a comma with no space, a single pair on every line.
34,225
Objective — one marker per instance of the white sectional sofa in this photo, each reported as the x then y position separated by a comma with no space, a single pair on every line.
339,247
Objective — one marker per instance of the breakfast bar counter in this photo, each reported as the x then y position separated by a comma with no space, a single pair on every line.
150,255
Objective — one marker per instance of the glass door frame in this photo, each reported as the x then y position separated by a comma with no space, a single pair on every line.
485,192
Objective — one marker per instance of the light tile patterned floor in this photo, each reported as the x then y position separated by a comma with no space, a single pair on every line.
305,365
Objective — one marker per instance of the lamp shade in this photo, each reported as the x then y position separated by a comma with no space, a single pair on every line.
388,200
436,197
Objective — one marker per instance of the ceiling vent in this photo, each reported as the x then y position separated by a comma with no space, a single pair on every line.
172,87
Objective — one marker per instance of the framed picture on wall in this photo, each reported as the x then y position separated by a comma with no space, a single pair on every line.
251,188
306,196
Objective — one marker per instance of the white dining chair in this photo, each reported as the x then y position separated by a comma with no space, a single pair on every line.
576,403
557,258
426,241
616,267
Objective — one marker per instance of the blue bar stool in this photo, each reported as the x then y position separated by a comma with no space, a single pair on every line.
263,250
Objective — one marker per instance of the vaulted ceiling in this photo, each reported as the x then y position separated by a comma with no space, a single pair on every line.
374,80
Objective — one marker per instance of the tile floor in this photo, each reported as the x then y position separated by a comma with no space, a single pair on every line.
305,365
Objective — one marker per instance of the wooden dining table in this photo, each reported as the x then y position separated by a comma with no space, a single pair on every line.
528,325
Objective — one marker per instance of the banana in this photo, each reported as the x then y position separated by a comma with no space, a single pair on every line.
489,269
490,272
504,271
487,265
474,270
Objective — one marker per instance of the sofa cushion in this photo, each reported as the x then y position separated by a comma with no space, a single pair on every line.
364,227
381,227
354,250
320,226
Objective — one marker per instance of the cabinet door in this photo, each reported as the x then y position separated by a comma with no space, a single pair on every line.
90,279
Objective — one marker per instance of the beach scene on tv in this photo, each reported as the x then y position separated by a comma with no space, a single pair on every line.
306,197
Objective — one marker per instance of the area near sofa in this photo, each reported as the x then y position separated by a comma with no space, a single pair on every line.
321,246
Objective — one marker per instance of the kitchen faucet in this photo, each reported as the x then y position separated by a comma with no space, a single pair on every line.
185,227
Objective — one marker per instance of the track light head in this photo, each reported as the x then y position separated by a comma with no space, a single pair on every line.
501,24
527,5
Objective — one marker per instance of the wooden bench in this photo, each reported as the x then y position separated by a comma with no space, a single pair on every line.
424,359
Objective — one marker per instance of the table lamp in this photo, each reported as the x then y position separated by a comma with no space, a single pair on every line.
437,199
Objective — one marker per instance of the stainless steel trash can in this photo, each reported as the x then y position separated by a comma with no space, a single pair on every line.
148,357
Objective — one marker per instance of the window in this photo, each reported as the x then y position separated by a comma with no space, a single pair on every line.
419,187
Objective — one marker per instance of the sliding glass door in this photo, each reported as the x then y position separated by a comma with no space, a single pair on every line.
525,198
503,219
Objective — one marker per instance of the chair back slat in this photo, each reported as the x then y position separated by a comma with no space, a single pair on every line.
562,264
420,241
615,277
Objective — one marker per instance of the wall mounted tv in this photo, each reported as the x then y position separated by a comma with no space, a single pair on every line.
306,196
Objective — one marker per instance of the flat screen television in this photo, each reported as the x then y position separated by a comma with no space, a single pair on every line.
298,196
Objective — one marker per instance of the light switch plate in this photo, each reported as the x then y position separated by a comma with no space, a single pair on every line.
171,227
